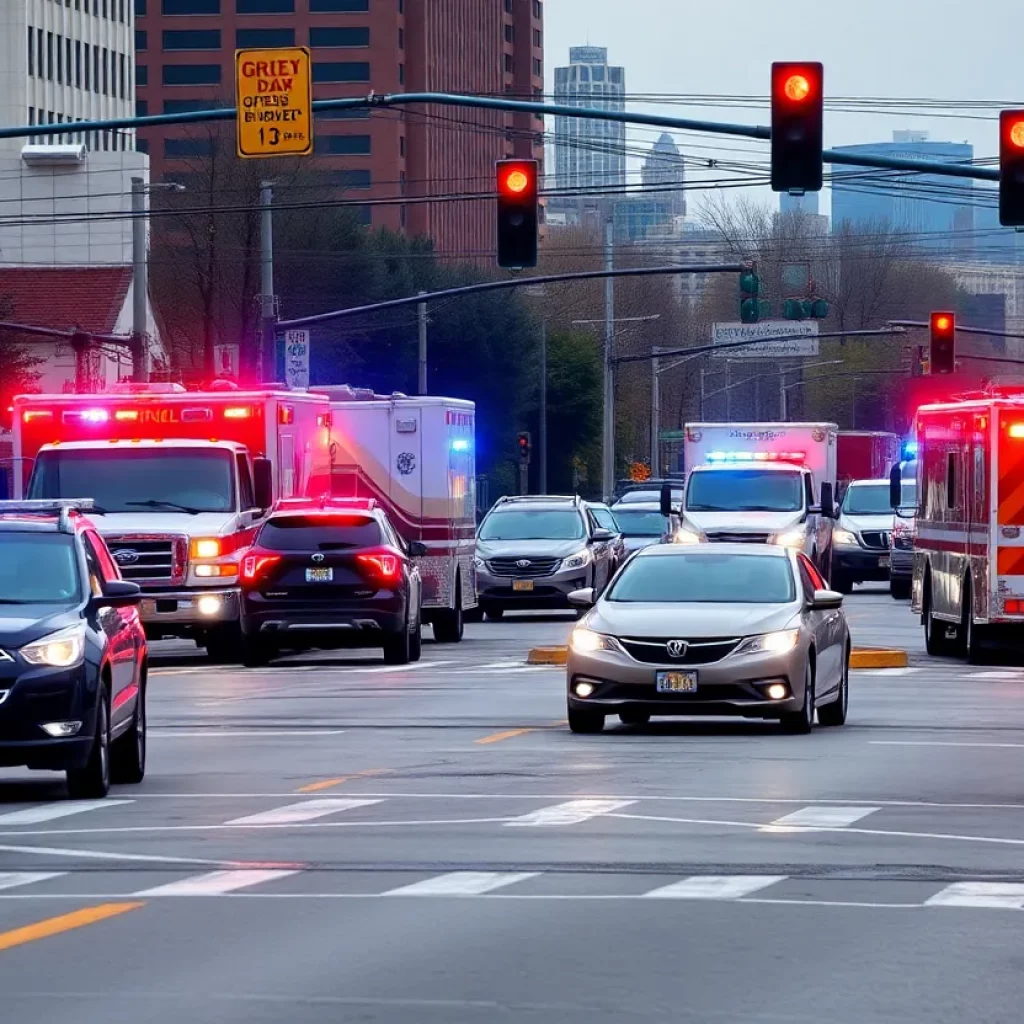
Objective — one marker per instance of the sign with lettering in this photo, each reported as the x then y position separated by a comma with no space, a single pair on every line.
296,358
274,97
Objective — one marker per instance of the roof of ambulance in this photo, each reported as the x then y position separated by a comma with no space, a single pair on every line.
120,444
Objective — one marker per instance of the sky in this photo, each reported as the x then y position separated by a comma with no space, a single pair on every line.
912,50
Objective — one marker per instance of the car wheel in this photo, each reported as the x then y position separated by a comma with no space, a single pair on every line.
416,643
834,713
128,752
92,780
935,641
224,644
634,717
841,581
585,721
799,723
973,640
398,647
449,624
494,614
899,588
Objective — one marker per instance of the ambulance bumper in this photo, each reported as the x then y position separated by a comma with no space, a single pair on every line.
183,610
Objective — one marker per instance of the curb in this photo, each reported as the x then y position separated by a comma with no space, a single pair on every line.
861,657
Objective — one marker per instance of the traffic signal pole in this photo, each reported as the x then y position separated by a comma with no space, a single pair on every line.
608,464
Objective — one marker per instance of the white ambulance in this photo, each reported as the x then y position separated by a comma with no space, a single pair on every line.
417,457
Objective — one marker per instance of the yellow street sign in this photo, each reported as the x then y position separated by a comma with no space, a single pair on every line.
274,97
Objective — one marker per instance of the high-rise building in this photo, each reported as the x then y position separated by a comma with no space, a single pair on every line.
664,174
186,62
590,153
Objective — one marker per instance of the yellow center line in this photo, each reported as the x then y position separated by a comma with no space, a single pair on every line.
316,787
499,736
64,923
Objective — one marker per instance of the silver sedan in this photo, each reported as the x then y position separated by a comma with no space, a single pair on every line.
711,629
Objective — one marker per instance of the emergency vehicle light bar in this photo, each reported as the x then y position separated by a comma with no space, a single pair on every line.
49,505
757,456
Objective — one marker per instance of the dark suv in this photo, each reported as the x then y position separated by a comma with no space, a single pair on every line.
533,552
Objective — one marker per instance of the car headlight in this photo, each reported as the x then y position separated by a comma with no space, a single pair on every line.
479,562
770,643
845,537
577,561
63,649
686,536
586,641
791,538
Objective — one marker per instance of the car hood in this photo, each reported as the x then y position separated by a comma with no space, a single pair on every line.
689,620
859,523
529,548
744,522
20,624
636,543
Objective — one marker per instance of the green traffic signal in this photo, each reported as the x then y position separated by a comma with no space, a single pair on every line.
750,284
819,309
751,310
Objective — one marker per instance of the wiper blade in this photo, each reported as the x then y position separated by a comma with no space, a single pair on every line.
157,503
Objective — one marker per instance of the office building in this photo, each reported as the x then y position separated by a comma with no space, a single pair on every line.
663,174
805,205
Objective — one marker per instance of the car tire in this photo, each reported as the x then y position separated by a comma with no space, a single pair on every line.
416,643
800,723
634,717
398,647
585,721
128,751
935,641
834,713
494,614
224,644
972,637
449,625
91,781
900,589
841,581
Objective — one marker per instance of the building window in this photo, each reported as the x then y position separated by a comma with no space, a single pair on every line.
141,74
339,6
122,77
509,66
508,6
401,145
140,8
179,7
189,147
261,37
142,145
32,52
401,38
510,34
192,39
363,215
538,11
141,40
106,71
341,71
401,74
187,106
141,108
346,145
49,56
538,68
344,114
265,6
538,39
339,37
191,74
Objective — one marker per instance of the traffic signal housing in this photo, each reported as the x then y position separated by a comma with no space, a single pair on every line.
798,120
523,443
517,213
1011,168
942,348
750,305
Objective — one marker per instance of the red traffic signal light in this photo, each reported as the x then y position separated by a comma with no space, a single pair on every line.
517,213
942,348
523,443
1011,168
798,106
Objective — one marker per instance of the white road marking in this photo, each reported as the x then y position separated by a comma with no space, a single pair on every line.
462,883
141,858
306,810
574,812
941,743
215,883
714,887
12,879
58,809
997,895
215,733
812,819
912,670
1014,674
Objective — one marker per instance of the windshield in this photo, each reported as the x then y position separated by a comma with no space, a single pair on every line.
38,568
641,523
131,480
873,499
312,533
745,490
645,497
706,579
605,519
533,524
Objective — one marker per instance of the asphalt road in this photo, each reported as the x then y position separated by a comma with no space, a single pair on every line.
332,840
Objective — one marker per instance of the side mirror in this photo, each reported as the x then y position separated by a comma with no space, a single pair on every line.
263,482
828,501
895,486
666,499
582,598
118,594
603,535
417,549
826,600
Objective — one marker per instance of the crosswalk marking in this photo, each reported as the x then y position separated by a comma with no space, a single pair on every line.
462,883
59,809
807,819
305,810
217,882
997,895
714,887
572,813
1017,675
12,879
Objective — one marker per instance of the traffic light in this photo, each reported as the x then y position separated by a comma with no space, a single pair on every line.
1011,168
517,213
805,309
524,446
797,126
942,350
750,305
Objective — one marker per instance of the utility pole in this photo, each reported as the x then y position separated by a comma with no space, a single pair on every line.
543,407
421,314
608,474
140,283
702,372
266,356
655,415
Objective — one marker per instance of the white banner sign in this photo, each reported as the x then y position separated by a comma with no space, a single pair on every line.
790,343
296,359
226,359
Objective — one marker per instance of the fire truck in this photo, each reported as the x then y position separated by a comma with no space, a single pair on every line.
865,455
968,577
180,480
417,457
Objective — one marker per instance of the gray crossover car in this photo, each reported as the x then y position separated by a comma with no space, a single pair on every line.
533,552
711,629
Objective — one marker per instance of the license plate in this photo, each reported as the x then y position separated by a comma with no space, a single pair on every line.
522,584
319,575
677,682
883,562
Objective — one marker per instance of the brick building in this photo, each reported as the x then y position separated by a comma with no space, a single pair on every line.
185,61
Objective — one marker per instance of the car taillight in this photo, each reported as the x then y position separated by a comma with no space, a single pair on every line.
384,566
257,564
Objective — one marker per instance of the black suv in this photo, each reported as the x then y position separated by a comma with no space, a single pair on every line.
330,573
533,552
73,652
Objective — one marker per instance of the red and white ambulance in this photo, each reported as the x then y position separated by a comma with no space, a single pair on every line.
180,479
968,583
417,457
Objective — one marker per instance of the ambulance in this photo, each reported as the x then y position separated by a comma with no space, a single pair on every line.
417,457
968,576
767,483
180,481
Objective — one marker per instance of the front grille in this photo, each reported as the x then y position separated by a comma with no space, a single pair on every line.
150,561
523,568
699,651
723,537
877,539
